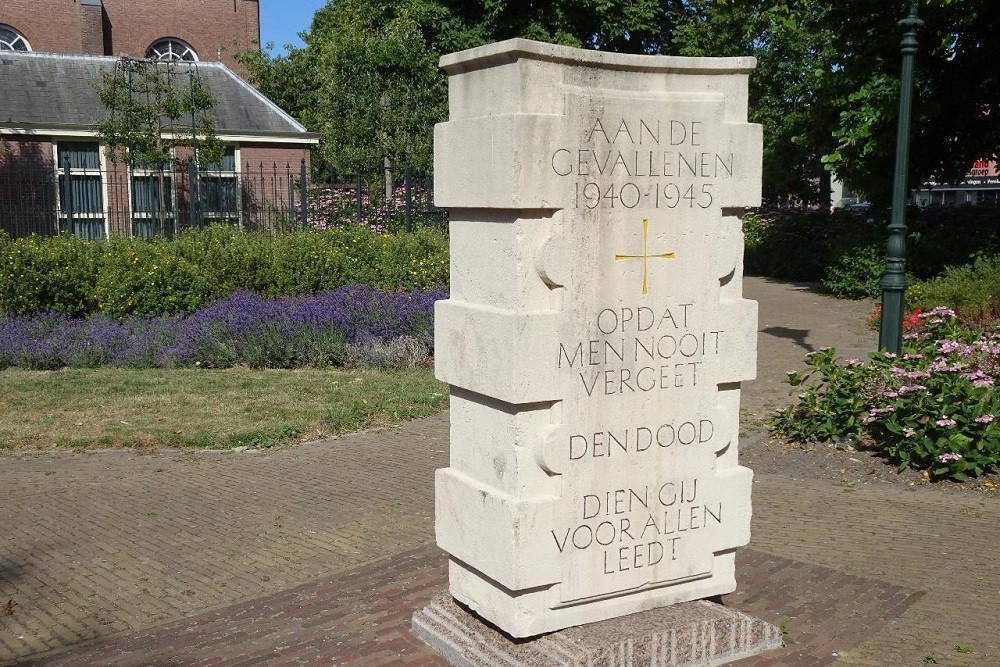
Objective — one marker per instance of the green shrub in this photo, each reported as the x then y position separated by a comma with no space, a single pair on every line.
939,237
229,259
935,407
310,262
856,272
803,244
134,276
414,261
972,290
148,278
843,249
40,274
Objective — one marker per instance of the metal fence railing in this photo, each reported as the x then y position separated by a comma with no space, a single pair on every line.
79,197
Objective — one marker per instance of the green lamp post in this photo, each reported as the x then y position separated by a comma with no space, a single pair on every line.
894,281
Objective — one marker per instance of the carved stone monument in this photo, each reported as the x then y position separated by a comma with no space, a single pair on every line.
596,335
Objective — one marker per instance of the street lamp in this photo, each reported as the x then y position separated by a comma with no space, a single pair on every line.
894,281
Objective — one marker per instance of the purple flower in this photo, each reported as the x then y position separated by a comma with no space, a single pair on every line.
244,329
945,458
985,419
945,422
948,346
940,311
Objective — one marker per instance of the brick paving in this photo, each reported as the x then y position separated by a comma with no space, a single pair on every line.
318,554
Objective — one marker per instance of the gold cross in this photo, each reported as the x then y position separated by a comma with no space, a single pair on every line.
645,256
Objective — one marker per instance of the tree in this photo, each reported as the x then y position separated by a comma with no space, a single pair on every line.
625,26
368,81
793,90
957,97
154,108
825,89
381,92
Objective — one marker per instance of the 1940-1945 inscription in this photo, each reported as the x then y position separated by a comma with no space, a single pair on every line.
660,164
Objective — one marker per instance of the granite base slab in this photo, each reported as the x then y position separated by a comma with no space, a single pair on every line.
690,633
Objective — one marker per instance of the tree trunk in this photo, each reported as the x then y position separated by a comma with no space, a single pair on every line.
825,188
387,166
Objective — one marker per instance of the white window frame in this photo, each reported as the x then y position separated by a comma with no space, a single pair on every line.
11,44
215,216
155,51
102,171
170,173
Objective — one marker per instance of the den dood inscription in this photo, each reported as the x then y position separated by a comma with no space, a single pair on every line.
640,349
660,164
639,527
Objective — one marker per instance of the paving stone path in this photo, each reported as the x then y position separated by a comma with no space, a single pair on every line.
318,554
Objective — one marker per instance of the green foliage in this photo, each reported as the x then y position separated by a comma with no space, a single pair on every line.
791,90
846,251
856,272
832,404
933,408
954,90
825,88
972,290
950,236
147,278
152,107
48,274
624,26
134,276
803,245
381,89
368,78
230,259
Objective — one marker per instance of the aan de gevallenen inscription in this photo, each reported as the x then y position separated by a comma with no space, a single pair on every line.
658,164
641,347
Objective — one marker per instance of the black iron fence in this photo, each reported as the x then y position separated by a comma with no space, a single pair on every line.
83,199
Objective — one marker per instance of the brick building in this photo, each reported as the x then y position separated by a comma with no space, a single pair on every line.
205,30
54,174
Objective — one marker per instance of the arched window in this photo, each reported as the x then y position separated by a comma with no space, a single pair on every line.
170,49
12,40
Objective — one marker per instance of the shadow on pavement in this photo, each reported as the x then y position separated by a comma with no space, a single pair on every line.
797,336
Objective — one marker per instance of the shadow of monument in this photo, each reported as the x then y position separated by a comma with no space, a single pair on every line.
797,336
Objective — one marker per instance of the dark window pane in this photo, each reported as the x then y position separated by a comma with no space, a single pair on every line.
81,154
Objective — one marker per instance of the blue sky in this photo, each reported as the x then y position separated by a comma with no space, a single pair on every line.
282,20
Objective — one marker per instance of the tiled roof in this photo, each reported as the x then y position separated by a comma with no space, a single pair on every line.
49,91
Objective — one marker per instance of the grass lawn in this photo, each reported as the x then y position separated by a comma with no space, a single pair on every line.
236,407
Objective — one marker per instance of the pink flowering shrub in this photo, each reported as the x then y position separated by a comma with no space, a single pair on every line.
933,407
332,207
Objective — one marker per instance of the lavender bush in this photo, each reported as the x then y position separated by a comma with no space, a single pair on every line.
245,329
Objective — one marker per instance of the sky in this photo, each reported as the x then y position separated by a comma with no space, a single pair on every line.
282,20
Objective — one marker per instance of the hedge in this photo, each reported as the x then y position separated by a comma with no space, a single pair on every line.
846,251
121,276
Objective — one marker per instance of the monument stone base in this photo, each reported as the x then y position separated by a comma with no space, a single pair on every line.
690,633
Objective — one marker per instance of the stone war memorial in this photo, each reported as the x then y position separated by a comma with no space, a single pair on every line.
595,341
